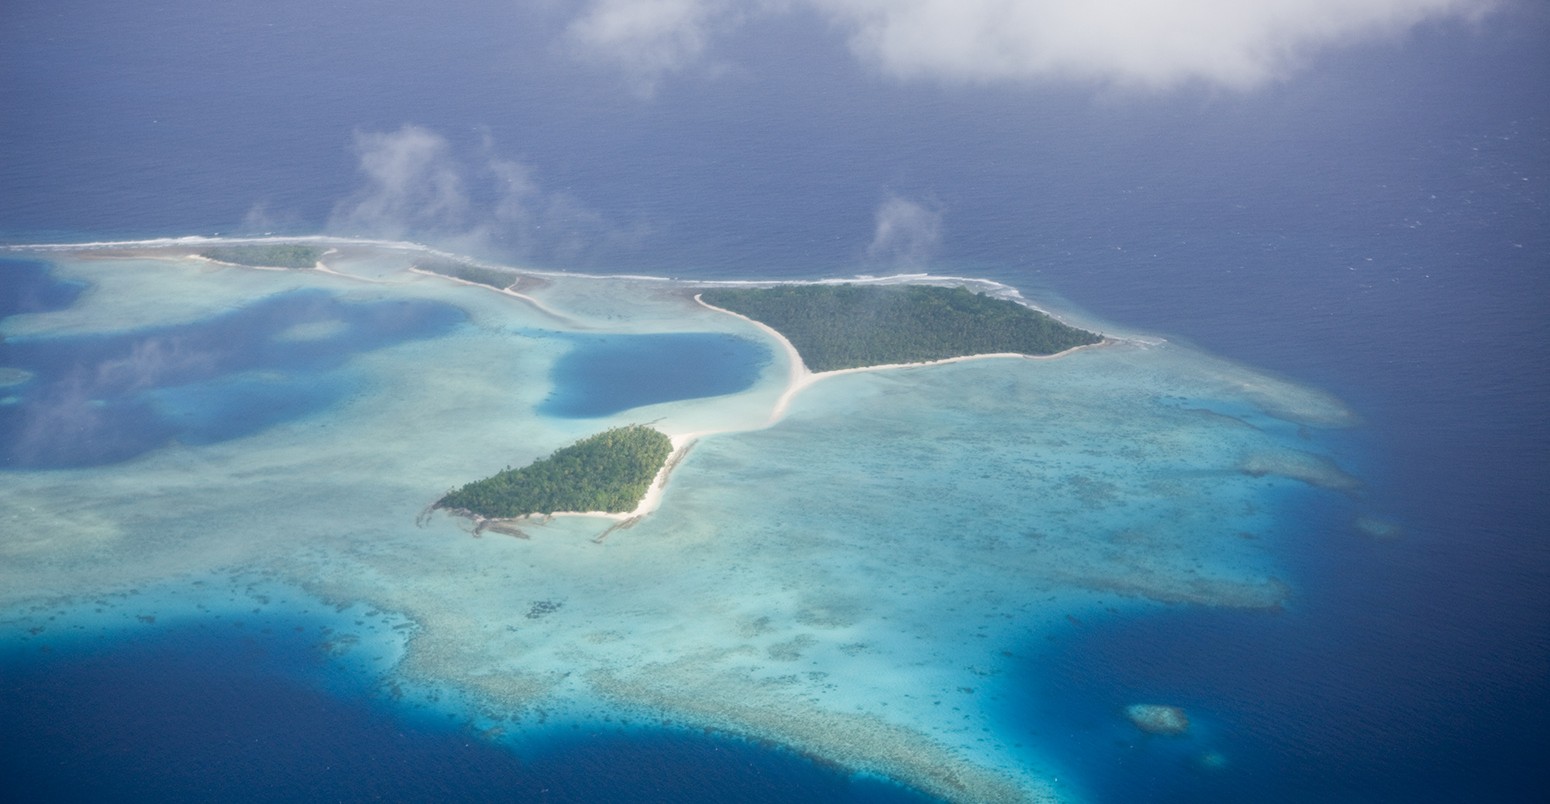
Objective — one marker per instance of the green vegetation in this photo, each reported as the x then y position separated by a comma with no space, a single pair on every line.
497,278
851,326
610,471
278,255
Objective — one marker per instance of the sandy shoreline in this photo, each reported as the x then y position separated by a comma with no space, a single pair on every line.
648,503
506,291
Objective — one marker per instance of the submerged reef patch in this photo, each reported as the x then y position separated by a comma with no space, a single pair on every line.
1158,718
1307,467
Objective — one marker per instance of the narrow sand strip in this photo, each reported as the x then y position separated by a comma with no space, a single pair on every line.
540,306
323,268
318,267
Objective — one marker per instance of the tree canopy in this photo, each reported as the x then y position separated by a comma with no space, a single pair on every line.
276,255
497,278
853,326
610,472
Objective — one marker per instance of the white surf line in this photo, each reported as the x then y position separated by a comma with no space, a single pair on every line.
197,241
993,287
188,241
990,287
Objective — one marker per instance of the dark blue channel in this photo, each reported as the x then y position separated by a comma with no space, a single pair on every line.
92,400
1336,698
606,374
259,712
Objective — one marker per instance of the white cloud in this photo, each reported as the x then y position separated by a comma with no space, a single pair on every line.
1154,43
649,38
416,186
412,185
906,235
1140,43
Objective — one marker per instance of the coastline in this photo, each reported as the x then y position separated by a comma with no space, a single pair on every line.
649,502
506,291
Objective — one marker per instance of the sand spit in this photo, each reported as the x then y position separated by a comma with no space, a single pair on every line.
224,264
506,291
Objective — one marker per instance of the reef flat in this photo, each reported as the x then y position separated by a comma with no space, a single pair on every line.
851,570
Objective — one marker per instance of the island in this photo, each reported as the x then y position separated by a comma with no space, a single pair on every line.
268,255
606,473
498,278
845,326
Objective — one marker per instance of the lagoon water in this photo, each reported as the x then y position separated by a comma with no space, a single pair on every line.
958,574
109,397
605,374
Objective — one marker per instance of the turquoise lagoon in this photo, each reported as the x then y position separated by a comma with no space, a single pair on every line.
857,579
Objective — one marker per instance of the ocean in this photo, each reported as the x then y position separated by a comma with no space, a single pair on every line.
1373,227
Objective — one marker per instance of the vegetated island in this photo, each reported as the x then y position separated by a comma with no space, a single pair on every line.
606,473
277,255
498,278
836,327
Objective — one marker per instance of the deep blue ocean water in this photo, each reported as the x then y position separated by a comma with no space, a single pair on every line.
1374,226
258,709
